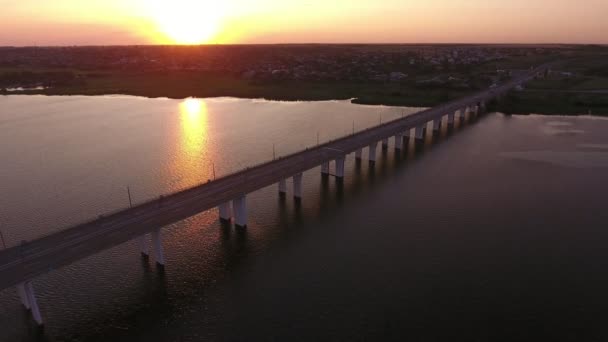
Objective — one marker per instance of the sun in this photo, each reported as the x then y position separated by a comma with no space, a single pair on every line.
187,21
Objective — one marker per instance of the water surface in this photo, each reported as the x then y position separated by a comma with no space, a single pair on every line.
497,232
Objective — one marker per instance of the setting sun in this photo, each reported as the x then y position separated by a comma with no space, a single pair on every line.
187,21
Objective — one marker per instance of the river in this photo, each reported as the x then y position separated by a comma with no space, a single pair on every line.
496,232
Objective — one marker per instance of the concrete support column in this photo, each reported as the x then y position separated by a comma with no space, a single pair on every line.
240,211
398,141
143,245
463,114
437,124
406,136
225,212
450,121
385,143
31,298
23,296
282,187
420,132
157,245
372,152
340,167
325,168
358,153
297,186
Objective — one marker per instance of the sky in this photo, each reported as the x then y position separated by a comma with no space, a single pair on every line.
127,22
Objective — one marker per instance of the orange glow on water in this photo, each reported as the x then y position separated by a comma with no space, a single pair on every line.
193,118
190,164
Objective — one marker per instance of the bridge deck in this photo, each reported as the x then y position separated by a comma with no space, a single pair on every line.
42,255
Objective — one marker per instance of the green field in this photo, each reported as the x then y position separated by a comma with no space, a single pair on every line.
183,84
550,102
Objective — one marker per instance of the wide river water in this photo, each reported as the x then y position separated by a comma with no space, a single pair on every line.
498,232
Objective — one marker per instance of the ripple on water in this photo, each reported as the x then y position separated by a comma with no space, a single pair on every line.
573,159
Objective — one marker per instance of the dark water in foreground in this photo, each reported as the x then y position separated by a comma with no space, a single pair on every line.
497,232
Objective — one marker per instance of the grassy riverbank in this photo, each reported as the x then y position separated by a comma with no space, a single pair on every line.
579,87
551,96
552,102
183,84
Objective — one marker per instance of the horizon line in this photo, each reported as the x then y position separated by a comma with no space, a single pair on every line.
300,44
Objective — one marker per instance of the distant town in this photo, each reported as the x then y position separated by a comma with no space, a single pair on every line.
359,63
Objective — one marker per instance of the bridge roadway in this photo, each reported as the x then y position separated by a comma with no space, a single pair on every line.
25,262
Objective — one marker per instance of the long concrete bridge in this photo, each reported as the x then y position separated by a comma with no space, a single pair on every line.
21,264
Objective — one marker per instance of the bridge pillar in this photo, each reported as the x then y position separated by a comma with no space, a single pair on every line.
463,115
297,186
143,246
325,169
406,136
225,214
385,143
282,187
451,121
32,302
437,125
23,295
157,245
240,211
372,152
398,141
420,132
340,167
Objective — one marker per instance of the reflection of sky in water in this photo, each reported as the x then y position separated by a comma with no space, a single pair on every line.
560,128
77,154
576,159
559,123
593,146
571,152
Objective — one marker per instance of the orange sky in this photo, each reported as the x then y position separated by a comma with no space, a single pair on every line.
105,22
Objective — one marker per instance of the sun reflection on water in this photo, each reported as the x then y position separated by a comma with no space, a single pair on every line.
193,117
189,166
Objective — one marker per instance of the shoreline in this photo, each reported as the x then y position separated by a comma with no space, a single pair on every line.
423,103
508,106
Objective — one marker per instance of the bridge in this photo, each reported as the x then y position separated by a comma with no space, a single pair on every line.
20,265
